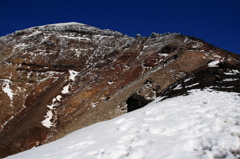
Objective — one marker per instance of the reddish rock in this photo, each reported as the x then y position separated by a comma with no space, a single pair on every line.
56,79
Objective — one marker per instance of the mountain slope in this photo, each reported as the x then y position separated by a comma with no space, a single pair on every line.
58,78
204,124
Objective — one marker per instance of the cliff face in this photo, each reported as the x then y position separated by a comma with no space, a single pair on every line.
58,78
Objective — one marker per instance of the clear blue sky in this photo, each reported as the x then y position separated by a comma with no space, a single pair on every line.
214,21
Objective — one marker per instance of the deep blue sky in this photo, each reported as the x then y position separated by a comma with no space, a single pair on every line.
215,21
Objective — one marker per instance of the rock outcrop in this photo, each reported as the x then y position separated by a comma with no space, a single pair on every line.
58,78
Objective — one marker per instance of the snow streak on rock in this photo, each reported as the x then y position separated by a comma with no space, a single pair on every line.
73,74
214,63
47,122
6,88
65,89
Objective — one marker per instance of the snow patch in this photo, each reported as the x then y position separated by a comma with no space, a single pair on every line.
179,86
214,63
65,24
59,98
163,54
6,88
65,89
188,79
73,74
76,38
197,45
232,72
110,82
230,79
6,122
94,105
217,56
47,122
195,84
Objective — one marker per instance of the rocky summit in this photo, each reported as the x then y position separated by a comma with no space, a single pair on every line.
58,78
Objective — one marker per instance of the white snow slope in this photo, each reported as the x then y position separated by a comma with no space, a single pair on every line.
204,124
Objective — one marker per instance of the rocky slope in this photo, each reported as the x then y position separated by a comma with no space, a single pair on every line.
58,78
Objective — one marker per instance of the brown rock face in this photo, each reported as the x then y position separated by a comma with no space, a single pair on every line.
56,79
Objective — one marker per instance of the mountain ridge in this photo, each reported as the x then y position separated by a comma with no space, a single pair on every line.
55,82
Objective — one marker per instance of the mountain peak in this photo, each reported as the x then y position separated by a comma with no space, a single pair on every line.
58,78
66,27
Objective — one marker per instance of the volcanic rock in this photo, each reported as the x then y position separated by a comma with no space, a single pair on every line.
58,78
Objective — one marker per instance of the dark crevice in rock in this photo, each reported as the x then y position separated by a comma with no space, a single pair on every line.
44,68
168,49
136,101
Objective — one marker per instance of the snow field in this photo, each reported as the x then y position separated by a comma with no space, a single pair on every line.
204,124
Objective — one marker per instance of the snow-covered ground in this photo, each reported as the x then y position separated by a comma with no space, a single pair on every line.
204,124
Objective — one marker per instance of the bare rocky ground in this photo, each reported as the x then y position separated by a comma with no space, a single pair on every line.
56,79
